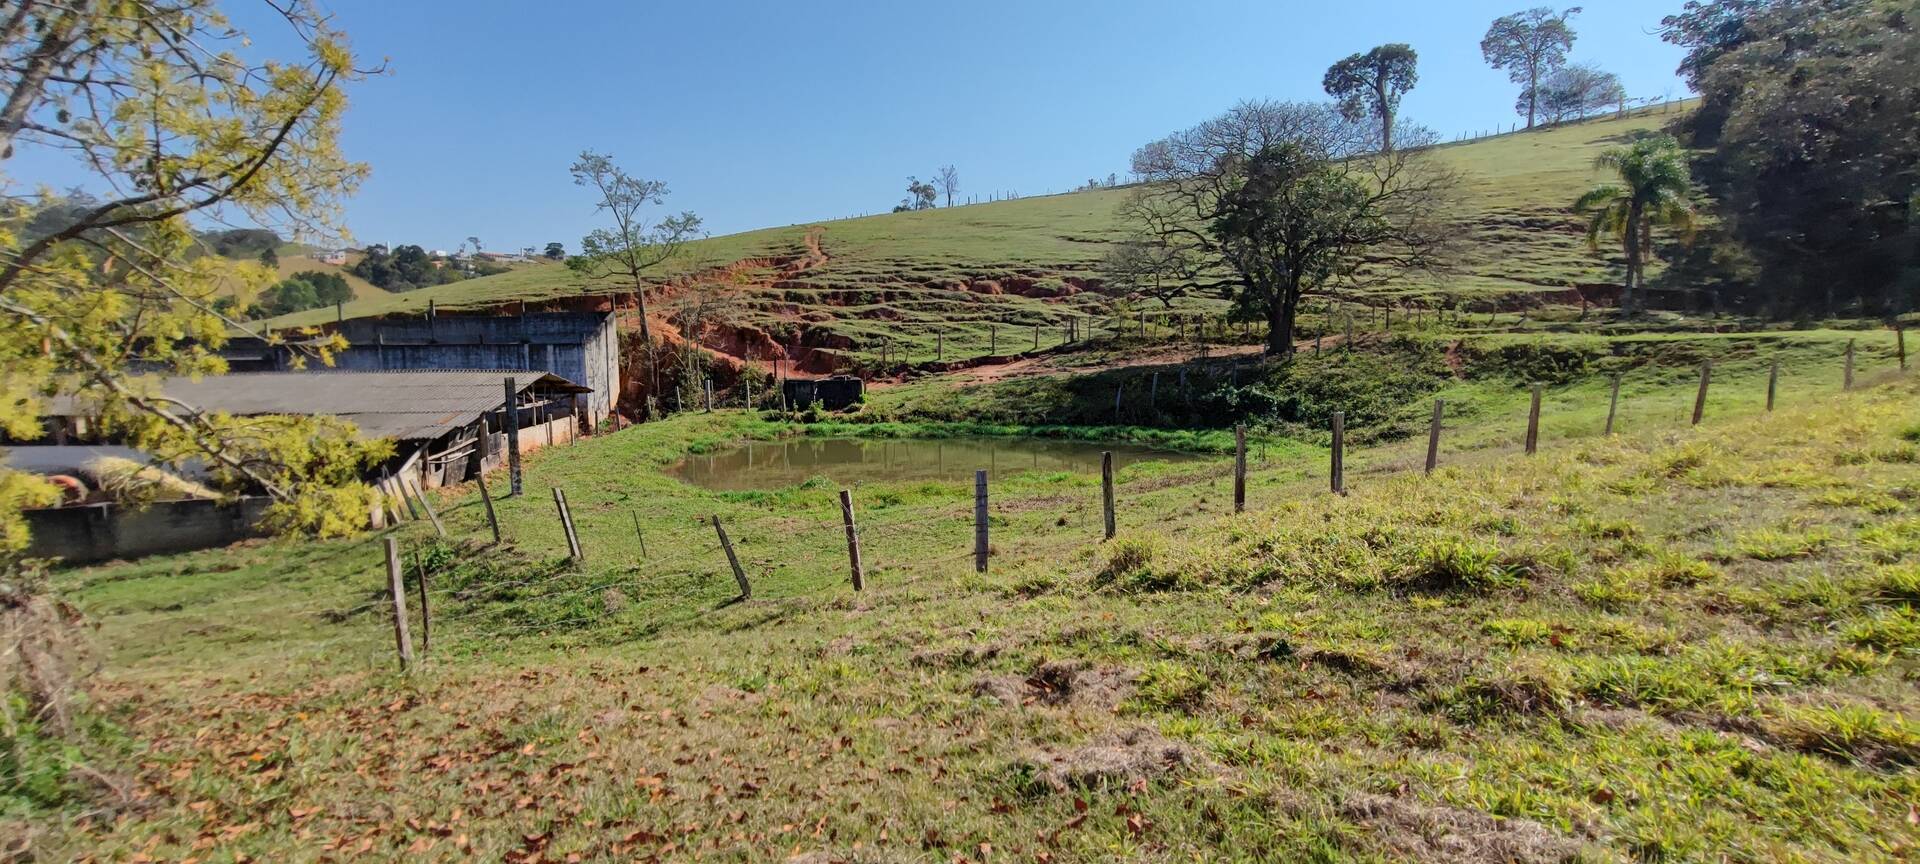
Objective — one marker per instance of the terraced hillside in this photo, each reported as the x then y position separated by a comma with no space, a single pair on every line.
978,279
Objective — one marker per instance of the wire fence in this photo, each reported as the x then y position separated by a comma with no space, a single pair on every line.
692,580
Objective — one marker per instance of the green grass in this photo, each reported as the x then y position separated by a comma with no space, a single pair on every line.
899,279
1575,651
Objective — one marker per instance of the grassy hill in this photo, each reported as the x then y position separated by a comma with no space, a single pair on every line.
1672,644
906,276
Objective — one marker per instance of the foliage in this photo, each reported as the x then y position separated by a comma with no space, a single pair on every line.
1372,84
1815,127
242,243
170,106
308,289
1574,92
1654,189
555,251
1529,45
920,196
403,268
1273,202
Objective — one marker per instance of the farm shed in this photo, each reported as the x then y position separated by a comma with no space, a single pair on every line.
445,424
581,347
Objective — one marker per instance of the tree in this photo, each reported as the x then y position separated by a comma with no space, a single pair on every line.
475,243
949,182
174,110
1813,121
1371,84
1654,188
1575,91
269,258
1529,45
920,196
1273,202
1151,267
634,244
555,251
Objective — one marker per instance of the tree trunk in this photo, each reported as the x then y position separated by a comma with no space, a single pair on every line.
1280,317
1533,92
1631,244
1386,113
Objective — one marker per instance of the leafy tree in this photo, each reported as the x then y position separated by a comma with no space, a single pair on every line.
1575,91
949,182
243,242
1654,188
1813,121
475,243
169,106
634,244
555,251
1273,202
1371,85
1529,45
920,196
407,267
269,258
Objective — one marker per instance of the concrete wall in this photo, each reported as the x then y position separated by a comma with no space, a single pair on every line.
104,532
582,347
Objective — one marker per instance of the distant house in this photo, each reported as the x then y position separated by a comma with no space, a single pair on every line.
334,257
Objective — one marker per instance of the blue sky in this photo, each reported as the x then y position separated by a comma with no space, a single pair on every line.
761,114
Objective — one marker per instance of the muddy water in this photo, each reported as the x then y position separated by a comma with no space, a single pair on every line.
852,461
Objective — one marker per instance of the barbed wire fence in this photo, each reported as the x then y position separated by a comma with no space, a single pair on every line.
704,572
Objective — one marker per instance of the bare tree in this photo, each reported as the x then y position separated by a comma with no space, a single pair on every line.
949,182
1272,202
634,245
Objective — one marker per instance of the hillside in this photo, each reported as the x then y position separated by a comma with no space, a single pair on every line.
904,277
1671,644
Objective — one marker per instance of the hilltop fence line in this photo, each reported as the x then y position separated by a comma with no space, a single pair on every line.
706,556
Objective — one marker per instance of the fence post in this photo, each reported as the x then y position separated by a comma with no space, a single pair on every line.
739,575
403,642
426,614
1106,489
1613,402
493,520
939,345
1339,466
709,388
642,535
1117,390
1700,399
1900,344
1773,382
853,540
1533,422
980,540
1239,467
428,506
566,524
1153,394
512,416
1433,436
1847,381
1036,337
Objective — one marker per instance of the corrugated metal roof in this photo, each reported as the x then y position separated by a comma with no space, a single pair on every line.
402,404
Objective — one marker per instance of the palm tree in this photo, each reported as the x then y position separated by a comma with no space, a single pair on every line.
1654,189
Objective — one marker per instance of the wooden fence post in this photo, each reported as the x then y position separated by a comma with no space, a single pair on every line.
1036,337
1847,380
1239,467
709,388
486,498
1613,403
1700,399
1106,489
1773,382
1900,345
739,575
512,416
993,340
1117,390
1338,474
853,540
428,506
980,540
566,524
426,614
1533,422
641,535
1433,436
403,642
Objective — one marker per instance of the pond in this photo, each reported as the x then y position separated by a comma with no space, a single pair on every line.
853,461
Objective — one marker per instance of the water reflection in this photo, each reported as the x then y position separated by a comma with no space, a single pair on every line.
852,461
